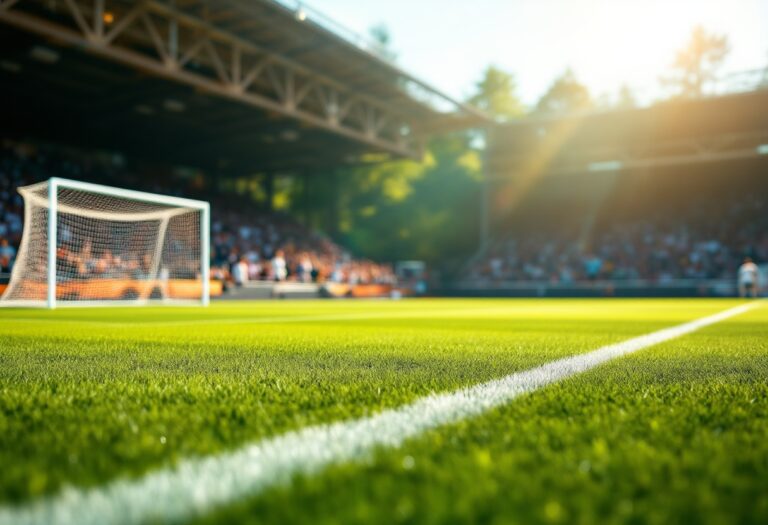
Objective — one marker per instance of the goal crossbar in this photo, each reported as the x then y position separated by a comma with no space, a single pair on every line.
120,193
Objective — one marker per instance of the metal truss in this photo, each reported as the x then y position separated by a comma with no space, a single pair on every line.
162,40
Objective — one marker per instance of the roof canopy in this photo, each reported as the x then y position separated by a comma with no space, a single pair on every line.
240,83
673,133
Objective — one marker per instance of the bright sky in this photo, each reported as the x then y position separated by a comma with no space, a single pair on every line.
606,42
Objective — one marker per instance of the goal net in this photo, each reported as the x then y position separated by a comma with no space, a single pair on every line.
88,244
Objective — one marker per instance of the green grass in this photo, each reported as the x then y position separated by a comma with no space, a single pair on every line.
675,433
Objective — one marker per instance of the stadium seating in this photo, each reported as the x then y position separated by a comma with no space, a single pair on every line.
630,228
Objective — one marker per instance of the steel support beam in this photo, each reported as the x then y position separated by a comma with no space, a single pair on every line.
165,42
669,153
633,163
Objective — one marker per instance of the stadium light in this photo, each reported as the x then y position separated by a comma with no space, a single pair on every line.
762,149
301,15
607,165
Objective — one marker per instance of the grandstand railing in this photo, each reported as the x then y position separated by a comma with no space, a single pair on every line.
628,283
306,12
410,84
599,288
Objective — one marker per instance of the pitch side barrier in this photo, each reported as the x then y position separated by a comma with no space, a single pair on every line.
638,288
299,290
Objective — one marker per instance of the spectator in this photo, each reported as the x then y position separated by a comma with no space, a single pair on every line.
305,268
748,278
279,268
7,255
240,272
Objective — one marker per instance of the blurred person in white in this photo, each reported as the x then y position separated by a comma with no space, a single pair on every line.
240,271
279,268
748,278
305,268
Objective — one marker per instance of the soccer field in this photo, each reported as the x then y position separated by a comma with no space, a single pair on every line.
227,414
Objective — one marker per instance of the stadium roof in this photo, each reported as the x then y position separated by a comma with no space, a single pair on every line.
667,134
224,83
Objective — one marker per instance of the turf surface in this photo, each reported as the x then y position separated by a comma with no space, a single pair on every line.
674,433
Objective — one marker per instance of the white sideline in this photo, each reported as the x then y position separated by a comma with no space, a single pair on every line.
199,485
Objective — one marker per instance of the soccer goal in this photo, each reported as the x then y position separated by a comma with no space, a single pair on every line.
88,244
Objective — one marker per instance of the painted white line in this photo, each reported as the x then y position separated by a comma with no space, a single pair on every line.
196,486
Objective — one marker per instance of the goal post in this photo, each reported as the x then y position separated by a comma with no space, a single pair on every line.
90,244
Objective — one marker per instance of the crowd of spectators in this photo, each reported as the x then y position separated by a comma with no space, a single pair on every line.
246,244
706,240
13,173
254,246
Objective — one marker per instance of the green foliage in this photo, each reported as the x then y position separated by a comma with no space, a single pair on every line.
565,95
697,64
496,94
426,210
406,209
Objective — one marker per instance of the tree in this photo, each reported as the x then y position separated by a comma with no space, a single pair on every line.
495,94
697,64
565,95
407,209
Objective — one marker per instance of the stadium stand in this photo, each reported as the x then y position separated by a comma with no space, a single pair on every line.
247,244
648,229
660,200
274,247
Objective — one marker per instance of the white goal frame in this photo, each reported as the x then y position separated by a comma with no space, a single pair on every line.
54,185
